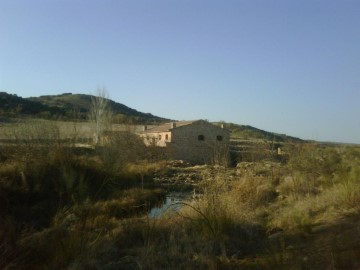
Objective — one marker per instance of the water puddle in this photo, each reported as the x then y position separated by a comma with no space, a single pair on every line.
172,203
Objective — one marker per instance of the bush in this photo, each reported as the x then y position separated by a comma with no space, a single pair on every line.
333,193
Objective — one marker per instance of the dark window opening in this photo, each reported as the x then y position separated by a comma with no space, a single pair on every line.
219,138
166,137
201,138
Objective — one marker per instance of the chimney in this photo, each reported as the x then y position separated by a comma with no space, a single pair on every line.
173,125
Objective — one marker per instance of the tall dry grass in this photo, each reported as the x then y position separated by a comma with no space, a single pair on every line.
320,190
60,205
60,209
205,233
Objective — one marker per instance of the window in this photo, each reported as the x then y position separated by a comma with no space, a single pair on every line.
201,138
166,137
159,137
219,138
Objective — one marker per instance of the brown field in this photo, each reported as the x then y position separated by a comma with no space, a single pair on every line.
62,207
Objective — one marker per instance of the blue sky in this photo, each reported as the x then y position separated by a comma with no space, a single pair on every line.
285,66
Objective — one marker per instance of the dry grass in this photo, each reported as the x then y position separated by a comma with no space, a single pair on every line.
308,200
59,206
88,211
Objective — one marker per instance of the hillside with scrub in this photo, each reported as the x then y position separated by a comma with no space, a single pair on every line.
68,107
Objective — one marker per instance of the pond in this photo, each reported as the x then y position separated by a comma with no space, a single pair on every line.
172,203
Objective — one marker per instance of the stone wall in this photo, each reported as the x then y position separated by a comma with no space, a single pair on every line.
197,142
200,142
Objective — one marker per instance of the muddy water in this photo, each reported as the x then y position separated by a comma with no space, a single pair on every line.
172,203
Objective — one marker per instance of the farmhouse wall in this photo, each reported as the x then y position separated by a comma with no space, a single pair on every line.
195,141
199,142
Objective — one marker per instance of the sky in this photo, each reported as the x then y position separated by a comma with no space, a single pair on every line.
289,67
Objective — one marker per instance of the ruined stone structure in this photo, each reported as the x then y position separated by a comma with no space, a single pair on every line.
194,141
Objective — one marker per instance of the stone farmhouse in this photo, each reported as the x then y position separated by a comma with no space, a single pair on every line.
193,141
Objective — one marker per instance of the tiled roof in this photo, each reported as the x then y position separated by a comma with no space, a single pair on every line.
167,126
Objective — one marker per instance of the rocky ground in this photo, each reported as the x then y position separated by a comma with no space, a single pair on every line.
180,176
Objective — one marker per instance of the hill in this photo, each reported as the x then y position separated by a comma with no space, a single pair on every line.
13,106
70,107
244,132
67,106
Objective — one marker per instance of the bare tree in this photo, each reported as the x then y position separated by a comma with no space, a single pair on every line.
100,113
